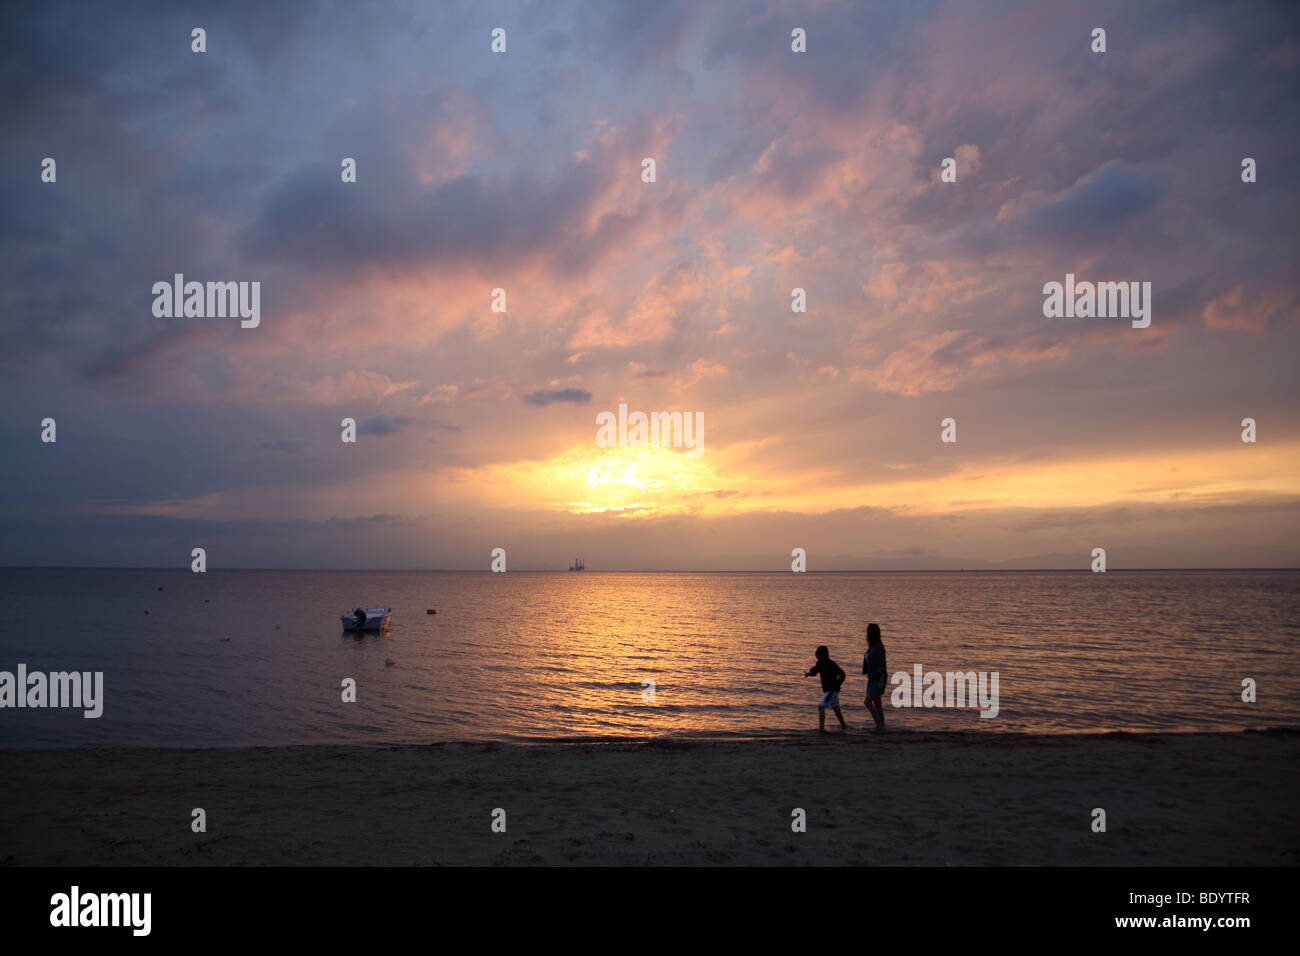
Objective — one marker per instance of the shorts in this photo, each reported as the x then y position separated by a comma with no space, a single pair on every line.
875,687
830,699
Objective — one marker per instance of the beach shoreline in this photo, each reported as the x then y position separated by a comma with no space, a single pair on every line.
897,799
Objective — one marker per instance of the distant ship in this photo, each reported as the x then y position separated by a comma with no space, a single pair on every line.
577,565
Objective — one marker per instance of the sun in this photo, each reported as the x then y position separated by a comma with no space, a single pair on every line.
631,481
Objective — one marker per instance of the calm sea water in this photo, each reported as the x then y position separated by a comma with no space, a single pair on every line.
527,656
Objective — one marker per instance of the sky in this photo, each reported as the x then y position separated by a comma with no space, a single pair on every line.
774,170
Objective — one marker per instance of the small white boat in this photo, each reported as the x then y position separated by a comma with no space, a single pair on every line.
369,619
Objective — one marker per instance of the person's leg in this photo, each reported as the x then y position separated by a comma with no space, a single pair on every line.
840,718
878,712
821,718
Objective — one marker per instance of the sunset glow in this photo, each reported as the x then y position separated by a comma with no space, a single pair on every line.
837,252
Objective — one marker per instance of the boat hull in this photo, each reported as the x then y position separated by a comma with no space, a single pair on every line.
376,620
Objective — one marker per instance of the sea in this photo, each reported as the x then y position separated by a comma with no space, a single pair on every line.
259,658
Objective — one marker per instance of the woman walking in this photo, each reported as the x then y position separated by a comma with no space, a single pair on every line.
873,665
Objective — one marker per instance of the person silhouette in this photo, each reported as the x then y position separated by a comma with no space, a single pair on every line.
873,665
832,676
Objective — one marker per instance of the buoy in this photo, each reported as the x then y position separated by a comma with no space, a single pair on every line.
431,611
388,662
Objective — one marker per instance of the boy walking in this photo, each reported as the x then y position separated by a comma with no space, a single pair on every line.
832,676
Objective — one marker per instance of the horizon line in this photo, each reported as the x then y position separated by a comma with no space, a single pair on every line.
143,567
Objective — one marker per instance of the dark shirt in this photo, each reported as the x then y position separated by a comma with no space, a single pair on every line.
831,673
873,662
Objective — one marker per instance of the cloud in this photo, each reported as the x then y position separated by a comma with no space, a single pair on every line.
1095,208
776,170
1101,201
543,397
1247,310
381,425
637,370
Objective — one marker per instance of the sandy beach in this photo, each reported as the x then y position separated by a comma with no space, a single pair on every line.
906,799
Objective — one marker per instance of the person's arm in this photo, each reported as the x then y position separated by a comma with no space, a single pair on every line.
812,670
864,661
